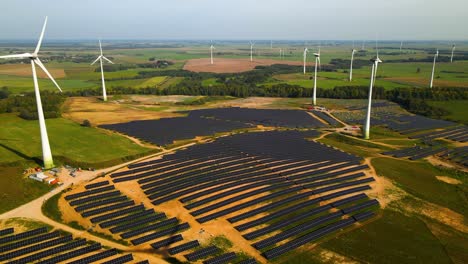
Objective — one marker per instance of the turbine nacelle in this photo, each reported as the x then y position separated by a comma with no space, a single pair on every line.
376,60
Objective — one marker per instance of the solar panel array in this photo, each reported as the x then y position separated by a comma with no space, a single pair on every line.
389,114
164,131
121,216
327,118
458,155
416,153
210,121
280,174
459,134
41,246
266,117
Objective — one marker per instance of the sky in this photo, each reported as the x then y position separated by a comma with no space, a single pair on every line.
236,19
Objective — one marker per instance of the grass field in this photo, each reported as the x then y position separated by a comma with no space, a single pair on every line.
393,238
457,109
73,76
15,191
20,139
419,179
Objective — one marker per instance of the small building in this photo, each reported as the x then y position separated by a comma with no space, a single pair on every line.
38,176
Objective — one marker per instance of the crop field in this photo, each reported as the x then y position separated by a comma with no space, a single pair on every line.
231,57
220,176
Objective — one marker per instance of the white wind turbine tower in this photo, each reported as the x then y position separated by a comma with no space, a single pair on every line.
99,58
252,44
433,68
317,63
453,50
306,50
375,64
351,66
211,52
46,152
401,46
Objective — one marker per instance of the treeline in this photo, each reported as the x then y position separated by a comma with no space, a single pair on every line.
27,107
155,64
345,64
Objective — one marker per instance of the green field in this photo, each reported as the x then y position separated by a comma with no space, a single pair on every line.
393,238
391,74
457,109
419,179
20,139
15,191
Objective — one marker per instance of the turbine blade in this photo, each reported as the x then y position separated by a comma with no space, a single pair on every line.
16,56
41,37
39,63
107,60
96,60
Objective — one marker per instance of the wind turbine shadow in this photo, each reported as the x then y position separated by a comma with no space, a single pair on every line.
22,155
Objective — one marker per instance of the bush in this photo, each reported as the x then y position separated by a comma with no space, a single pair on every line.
86,123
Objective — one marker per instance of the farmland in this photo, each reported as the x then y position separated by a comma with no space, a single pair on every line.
188,173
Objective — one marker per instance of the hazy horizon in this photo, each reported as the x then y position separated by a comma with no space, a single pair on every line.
177,20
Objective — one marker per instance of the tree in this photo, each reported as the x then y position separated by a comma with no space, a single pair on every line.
418,70
86,123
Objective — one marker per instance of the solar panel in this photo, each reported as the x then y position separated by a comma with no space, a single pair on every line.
183,247
201,253
122,259
95,185
224,258
166,242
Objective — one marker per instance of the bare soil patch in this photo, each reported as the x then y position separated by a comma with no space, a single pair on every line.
448,180
231,65
99,113
26,70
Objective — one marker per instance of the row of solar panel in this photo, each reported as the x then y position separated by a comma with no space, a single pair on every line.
94,198
293,244
311,224
415,153
36,247
327,118
28,241
25,234
107,208
253,177
89,192
42,247
455,134
161,233
135,221
268,197
295,207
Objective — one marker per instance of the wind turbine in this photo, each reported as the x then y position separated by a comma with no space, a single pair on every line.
433,68
33,57
453,50
252,44
317,63
211,51
401,46
99,58
351,66
375,63
306,50
271,44
281,53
